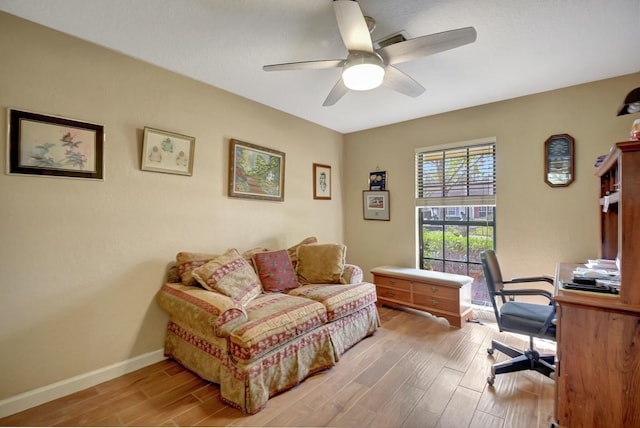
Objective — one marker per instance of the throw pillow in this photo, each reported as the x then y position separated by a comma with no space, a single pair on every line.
231,275
293,251
186,262
321,263
275,271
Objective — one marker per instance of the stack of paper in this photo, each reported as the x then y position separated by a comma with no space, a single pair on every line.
605,264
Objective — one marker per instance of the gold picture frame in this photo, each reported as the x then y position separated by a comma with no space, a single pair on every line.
168,152
255,172
321,181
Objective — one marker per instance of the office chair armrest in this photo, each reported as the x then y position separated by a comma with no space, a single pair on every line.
544,278
525,292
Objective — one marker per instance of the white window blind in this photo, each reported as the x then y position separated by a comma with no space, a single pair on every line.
461,176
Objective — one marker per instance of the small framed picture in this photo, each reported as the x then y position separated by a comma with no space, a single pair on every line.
378,180
164,151
376,204
321,181
54,146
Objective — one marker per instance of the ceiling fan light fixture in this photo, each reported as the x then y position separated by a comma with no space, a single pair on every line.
363,71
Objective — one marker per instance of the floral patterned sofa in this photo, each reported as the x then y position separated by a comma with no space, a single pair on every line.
260,322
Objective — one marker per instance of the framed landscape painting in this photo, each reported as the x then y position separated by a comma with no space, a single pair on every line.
255,172
54,146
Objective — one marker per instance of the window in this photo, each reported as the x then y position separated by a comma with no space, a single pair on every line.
455,198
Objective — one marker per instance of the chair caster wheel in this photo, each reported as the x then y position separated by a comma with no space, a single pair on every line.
490,351
491,380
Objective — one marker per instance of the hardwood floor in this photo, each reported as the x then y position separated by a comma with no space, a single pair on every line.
414,372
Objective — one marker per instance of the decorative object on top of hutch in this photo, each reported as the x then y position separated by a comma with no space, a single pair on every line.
598,335
558,160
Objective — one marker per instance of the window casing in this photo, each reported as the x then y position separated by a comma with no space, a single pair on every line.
455,197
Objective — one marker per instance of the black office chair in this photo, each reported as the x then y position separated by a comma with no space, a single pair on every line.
533,320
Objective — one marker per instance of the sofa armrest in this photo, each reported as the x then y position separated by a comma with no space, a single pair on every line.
352,274
201,310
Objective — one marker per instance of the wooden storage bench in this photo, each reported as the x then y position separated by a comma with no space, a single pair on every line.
441,294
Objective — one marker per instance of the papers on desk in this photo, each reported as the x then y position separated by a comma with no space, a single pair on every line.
605,264
599,275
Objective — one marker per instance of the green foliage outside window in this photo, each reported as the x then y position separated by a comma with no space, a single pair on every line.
455,245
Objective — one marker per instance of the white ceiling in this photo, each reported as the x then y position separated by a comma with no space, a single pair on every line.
523,47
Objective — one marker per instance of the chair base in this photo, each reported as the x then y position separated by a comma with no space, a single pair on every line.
529,359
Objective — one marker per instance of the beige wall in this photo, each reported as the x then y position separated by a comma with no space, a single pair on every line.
536,225
81,261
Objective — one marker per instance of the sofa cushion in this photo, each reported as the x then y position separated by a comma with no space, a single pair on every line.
293,251
231,275
186,262
274,319
339,300
321,263
275,271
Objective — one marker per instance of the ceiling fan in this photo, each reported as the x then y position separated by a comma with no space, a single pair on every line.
367,68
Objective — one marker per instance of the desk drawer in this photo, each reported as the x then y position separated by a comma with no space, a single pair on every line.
435,290
436,303
386,281
393,294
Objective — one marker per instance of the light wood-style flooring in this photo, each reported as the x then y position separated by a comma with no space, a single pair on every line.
415,371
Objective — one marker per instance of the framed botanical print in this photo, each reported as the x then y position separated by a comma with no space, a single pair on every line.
54,146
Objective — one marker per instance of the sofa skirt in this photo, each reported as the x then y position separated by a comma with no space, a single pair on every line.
248,386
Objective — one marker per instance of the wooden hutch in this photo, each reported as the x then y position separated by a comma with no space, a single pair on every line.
598,367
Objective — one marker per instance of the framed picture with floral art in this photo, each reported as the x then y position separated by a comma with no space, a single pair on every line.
54,146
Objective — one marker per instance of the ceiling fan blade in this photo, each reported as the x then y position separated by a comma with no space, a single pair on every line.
305,65
352,26
427,45
336,93
401,82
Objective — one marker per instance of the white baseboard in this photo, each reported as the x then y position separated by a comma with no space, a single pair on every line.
41,395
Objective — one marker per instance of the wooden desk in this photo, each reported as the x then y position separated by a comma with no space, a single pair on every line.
598,358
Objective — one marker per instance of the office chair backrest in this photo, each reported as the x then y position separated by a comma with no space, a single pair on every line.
493,278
